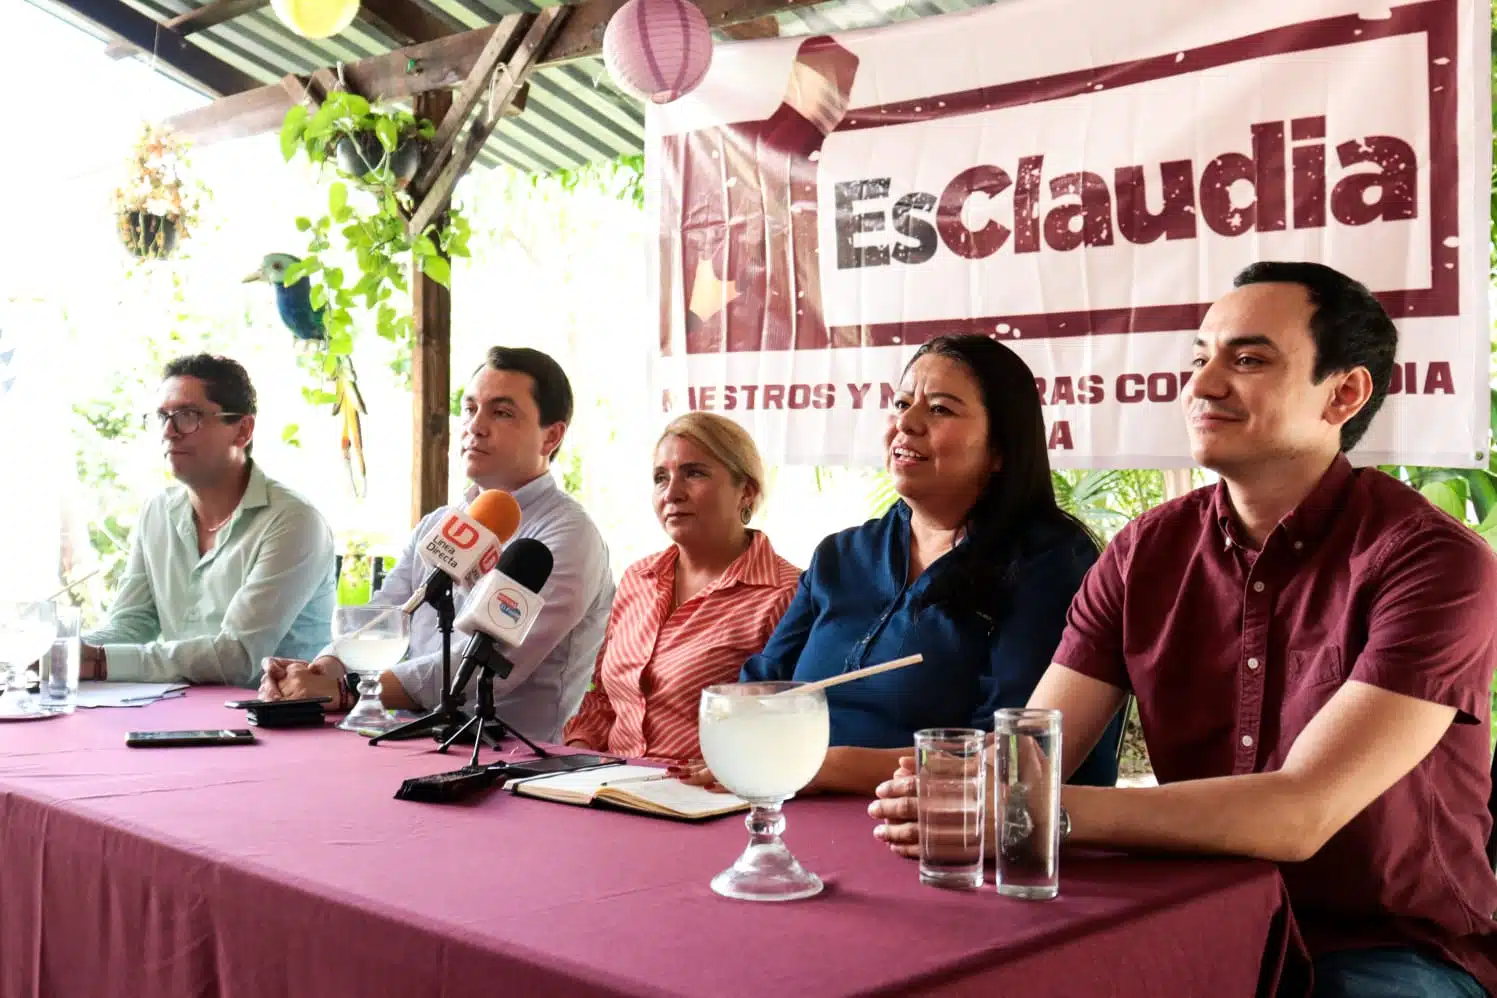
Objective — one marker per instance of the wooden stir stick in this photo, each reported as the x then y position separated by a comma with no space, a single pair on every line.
847,677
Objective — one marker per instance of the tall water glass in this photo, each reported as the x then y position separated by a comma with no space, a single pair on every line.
61,666
1026,777
949,775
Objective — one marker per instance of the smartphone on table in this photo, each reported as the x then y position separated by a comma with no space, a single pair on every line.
175,739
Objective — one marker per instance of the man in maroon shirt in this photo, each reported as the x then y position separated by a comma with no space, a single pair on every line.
1312,650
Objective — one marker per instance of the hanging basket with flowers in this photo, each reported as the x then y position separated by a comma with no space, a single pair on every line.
157,206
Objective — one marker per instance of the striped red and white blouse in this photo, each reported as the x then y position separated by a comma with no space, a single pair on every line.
655,662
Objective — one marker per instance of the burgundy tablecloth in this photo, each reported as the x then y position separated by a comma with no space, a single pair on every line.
287,868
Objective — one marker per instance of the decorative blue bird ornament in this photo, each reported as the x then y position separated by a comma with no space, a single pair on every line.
294,303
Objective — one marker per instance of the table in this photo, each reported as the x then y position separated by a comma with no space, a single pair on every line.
287,868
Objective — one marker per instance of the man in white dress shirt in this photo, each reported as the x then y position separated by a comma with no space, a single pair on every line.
515,414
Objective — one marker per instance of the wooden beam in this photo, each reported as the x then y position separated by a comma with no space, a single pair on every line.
502,44
203,70
583,34
297,91
431,369
397,75
507,85
406,21
195,20
764,27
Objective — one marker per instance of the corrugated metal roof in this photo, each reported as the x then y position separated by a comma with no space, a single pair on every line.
574,114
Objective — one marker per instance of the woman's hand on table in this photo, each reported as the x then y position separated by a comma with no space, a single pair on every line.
696,774
895,806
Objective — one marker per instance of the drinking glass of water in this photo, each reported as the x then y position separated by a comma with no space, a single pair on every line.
369,640
1026,776
60,667
949,775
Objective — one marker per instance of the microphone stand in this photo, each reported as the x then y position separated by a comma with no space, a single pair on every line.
486,719
448,715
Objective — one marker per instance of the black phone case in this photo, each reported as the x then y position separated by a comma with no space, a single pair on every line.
286,719
277,704
132,742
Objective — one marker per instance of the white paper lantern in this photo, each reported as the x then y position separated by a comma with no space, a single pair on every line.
658,50
316,18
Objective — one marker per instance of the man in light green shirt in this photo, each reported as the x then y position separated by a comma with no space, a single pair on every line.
226,569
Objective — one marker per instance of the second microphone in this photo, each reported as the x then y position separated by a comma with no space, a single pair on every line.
502,610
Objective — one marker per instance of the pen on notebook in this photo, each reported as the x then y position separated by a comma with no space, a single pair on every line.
662,775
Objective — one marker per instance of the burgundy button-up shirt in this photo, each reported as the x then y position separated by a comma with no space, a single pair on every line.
1231,652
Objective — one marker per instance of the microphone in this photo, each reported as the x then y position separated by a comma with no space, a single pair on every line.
503,609
464,546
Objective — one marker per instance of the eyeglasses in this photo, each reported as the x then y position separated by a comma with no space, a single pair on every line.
185,421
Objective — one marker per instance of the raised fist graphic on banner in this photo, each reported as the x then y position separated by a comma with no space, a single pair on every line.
743,214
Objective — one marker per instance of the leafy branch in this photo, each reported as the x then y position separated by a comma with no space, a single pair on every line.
378,150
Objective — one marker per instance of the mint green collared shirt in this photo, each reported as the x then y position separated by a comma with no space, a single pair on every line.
266,588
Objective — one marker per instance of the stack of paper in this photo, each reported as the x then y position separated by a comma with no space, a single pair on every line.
97,694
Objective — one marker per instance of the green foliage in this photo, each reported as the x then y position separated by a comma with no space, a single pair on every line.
356,575
571,474
1468,494
623,177
1105,500
102,427
372,228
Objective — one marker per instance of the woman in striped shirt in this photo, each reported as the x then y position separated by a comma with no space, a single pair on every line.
689,616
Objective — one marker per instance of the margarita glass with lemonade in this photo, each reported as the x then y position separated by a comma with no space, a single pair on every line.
764,742
368,640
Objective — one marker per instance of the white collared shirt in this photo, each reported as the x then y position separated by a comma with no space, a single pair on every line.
554,665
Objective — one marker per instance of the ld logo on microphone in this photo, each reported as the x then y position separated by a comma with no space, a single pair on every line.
462,535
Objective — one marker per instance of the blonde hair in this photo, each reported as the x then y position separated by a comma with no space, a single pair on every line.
726,441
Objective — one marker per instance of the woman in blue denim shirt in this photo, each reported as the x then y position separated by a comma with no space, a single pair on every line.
974,568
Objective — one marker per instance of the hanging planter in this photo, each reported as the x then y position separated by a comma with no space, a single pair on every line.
147,236
362,153
378,147
156,207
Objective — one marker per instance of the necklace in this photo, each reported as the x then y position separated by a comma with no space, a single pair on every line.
219,525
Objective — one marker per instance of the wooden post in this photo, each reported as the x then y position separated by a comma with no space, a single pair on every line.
431,367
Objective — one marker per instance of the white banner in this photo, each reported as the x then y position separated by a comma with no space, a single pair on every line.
1081,181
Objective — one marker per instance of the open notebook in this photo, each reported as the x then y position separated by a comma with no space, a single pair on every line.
626,787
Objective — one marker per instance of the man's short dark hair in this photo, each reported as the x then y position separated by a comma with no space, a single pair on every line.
225,381
1349,326
549,385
